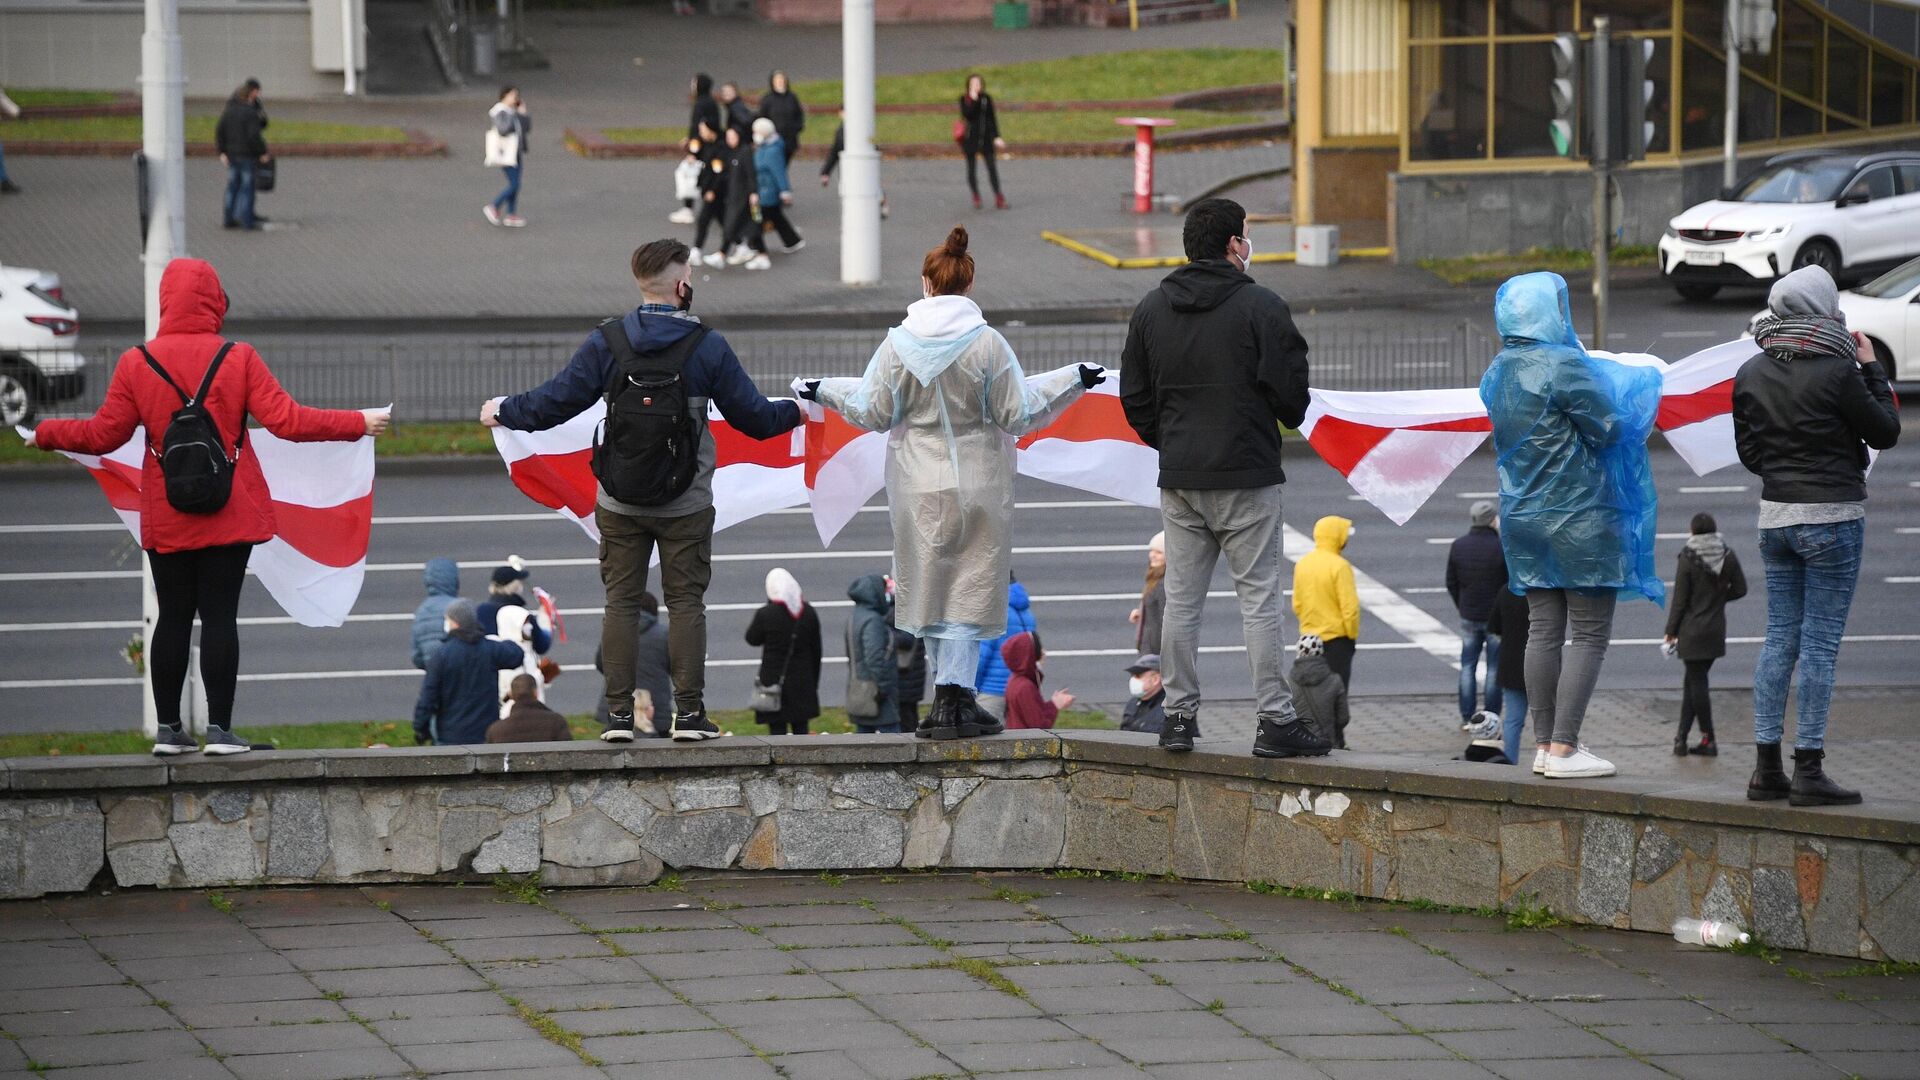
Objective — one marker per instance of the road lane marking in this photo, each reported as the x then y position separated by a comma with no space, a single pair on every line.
1476,494
1423,630
1903,581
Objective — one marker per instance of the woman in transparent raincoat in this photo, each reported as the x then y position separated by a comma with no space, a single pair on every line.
1576,502
949,392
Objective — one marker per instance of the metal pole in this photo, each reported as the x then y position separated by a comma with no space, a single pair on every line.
163,85
1600,153
859,162
349,74
1730,164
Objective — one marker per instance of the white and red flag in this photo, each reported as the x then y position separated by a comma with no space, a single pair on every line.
322,509
1396,447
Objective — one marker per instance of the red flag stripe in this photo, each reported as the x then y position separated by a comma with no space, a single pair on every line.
1679,410
557,481
1093,418
333,536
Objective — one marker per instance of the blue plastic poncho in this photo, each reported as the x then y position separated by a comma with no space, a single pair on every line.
1570,430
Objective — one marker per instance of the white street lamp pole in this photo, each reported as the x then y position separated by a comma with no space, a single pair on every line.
859,162
349,74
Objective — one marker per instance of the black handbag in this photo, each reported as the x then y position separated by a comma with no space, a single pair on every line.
767,697
264,175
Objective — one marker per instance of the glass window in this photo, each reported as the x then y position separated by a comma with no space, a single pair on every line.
1846,74
1798,119
1703,99
1532,16
1875,183
1660,109
1705,18
1909,179
1629,14
1898,281
1757,104
1524,88
1801,36
1889,91
1447,101
1449,18
1812,180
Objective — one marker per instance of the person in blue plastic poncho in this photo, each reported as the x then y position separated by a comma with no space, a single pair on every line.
951,396
1576,502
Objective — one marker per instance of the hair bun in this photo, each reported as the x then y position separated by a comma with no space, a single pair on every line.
957,241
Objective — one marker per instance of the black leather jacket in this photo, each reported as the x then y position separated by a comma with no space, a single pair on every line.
1803,426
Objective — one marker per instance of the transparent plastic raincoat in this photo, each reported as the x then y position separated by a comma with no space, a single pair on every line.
1570,430
949,392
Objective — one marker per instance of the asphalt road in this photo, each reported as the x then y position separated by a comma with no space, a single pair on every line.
61,634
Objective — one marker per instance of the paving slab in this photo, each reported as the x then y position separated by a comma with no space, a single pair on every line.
336,1065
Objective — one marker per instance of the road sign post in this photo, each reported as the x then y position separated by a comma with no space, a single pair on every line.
1143,158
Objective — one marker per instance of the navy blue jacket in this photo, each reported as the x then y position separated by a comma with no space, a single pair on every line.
488,612
460,697
713,372
1476,570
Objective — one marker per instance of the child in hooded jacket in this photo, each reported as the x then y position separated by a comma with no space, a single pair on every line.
1319,693
1025,707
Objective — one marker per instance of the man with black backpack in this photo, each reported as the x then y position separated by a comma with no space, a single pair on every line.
656,368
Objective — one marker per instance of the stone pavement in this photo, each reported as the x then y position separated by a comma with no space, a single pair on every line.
896,977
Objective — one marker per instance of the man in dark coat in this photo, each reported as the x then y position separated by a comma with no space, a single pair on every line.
1476,572
1147,697
459,698
782,106
528,720
734,111
240,138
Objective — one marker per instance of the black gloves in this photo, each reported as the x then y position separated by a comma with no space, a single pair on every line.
422,740
1091,376
810,389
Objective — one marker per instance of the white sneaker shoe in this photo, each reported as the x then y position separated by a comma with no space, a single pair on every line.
759,262
715,260
1582,762
492,212
1540,761
741,255
682,216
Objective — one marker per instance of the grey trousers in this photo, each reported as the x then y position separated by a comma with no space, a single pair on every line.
1244,525
1558,692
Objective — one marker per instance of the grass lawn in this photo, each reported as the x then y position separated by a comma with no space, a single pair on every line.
1492,269
333,736
1122,76
199,130
1027,127
32,99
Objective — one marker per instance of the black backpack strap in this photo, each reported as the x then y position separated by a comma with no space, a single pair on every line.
614,330
213,369
162,372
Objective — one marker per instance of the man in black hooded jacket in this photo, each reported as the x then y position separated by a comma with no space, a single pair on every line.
1212,369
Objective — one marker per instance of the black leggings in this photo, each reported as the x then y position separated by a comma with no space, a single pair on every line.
785,727
1695,704
711,214
205,581
985,150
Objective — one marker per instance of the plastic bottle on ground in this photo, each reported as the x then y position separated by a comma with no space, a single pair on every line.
1708,932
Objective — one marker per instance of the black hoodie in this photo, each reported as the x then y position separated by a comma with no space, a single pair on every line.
705,111
784,109
1212,369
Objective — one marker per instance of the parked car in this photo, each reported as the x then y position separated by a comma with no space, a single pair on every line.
1854,214
40,361
1887,310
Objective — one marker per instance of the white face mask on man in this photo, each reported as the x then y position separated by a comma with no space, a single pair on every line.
1246,261
1137,686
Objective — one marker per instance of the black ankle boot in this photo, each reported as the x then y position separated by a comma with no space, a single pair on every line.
1811,787
970,719
939,721
1769,780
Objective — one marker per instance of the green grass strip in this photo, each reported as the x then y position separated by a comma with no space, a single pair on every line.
28,130
1015,127
1121,76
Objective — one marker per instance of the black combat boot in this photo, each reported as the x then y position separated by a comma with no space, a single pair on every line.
970,719
1811,787
1769,780
938,723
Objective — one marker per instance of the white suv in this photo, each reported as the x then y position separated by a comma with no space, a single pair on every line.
40,361
1850,213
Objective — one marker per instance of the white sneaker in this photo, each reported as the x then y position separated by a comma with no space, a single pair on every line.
715,260
682,216
741,255
492,212
796,245
1540,761
1582,762
759,262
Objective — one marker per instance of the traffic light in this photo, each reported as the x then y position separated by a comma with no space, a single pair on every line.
1565,128
1634,91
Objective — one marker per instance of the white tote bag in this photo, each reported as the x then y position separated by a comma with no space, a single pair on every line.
502,150
686,179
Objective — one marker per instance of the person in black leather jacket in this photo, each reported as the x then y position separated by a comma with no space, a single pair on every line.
1806,411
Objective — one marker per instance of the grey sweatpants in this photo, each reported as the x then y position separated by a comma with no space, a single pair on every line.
1244,525
1557,692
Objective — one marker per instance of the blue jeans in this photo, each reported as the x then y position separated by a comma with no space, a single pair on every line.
508,201
3,165
1811,571
237,206
1513,722
1473,637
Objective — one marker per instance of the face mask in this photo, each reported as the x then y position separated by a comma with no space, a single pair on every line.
1137,686
1247,261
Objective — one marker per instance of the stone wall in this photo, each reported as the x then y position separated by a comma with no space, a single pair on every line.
1612,852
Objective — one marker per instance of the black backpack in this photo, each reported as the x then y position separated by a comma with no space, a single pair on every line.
647,450
192,454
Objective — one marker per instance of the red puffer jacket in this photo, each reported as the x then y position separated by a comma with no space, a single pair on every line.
192,307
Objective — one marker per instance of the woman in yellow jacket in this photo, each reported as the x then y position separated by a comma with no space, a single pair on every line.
1324,598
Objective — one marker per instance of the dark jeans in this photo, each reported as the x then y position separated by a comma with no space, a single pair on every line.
909,715
985,150
1811,572
1694,702
782,727
1339,654
711,214
742,229
205,582
1473,639
508,201
237,205
1513,722
777,215
686,567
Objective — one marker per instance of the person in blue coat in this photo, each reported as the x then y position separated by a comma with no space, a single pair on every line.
460,697
1577,503
993,674
442,579
776,190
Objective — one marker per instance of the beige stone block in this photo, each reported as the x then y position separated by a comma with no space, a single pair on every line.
1410,814
927,833
1478,820
138,817
1288,851
1528,846
1154,792
1209,831
1117,836
1437,865
763,847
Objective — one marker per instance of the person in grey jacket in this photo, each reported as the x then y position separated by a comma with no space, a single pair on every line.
442,579
1319,695
870,653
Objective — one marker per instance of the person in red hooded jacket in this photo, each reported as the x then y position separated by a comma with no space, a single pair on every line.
199,560
1025,707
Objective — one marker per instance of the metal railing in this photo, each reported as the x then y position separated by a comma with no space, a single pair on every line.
447,379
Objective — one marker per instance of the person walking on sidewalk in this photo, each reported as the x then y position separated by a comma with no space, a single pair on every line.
199,557
714,181
239,137
1508,624
873,676
948,391
507,148
1319,693
979,135
1707,578
703,134
774,191
786,630
782,106
1026,706
459,699
9,111
1806,410
1325,599
991,679
734,111
1212,369
744,243
1152,612
1476,572
660,334
1577,503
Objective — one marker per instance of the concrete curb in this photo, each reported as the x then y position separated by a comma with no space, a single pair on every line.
593,144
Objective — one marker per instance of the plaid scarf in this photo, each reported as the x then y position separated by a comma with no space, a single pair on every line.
1802,335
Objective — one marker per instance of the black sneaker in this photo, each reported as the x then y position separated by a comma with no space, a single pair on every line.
172,741
693,727
224,741
1291,739
1179,732
619,729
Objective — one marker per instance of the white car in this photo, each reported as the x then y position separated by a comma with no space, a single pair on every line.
40,361
1852,214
